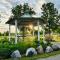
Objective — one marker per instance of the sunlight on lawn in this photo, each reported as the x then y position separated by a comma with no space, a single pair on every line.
56,38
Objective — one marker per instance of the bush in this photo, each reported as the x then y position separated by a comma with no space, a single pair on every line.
5,52
6,48
3,40
48,37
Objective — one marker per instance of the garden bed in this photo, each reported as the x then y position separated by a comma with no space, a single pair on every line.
39,56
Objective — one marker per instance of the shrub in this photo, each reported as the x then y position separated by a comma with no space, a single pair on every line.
48,37
5,52
6,48
4,39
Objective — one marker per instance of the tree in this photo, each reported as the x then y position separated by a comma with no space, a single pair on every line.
50,16
17,11
58,28
27,9
20,10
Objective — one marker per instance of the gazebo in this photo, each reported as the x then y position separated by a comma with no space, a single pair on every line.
23,21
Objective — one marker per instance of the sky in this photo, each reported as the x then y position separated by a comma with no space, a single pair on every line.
7,5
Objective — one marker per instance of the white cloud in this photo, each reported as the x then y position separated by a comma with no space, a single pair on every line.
38,6
6,5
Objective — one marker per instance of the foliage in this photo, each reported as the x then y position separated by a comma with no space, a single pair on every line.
20,10
6,33
5,53
36,32
3,40
41,42
0,33
27,9
48,37
17,11
44,45
6,48
58,28
50,16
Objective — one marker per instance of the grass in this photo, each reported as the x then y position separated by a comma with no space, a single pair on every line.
56,37
39,56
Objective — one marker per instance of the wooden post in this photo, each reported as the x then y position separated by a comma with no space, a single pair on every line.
15,31
38,31
9,33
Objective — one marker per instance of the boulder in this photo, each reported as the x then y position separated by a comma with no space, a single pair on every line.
48,49
31,51
40,50
16,54
58,44
55,47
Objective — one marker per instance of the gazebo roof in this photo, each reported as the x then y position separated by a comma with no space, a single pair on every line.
25,20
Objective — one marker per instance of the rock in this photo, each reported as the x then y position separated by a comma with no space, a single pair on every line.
55,47
58,44
16,54
48,49
40,49
31,51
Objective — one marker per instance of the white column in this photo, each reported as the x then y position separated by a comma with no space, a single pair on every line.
15,31
38,31
9,33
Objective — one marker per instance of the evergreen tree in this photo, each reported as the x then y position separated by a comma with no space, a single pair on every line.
50,16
